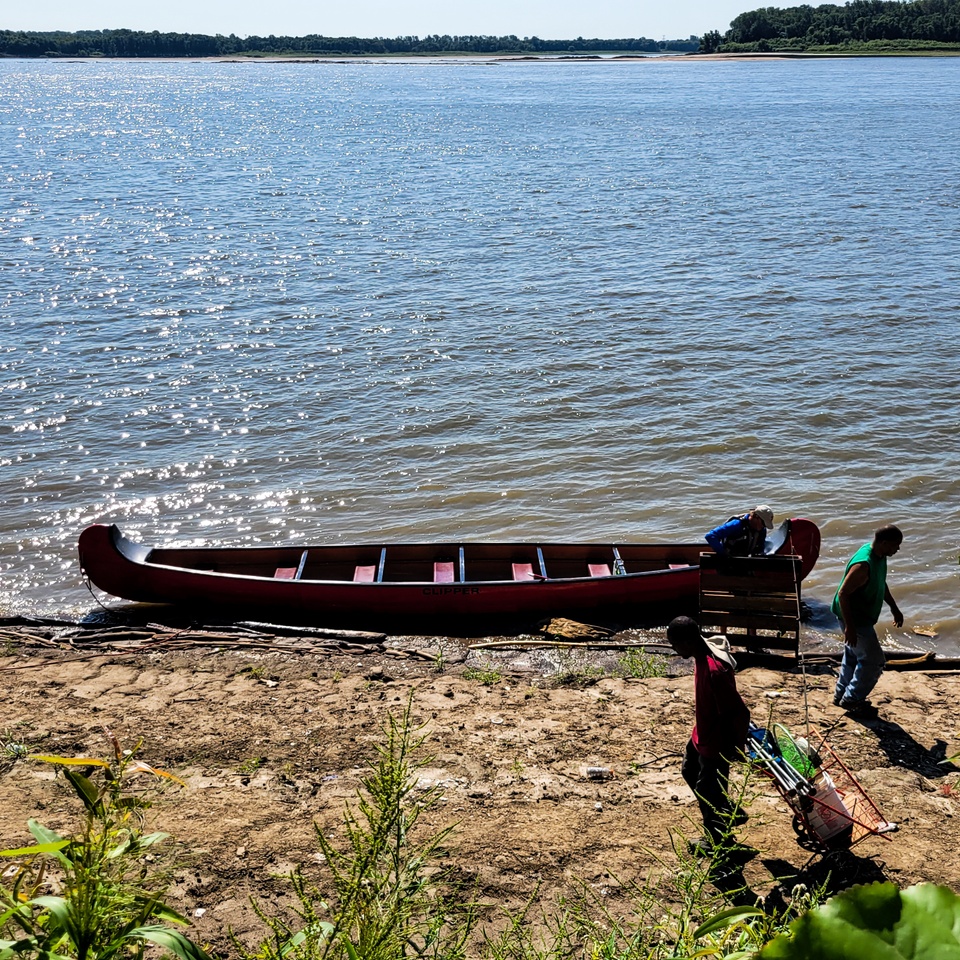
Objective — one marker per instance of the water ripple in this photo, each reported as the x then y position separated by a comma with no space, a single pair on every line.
416,301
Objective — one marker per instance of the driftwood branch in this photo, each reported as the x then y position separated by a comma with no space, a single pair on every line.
98,639
524,643
279,629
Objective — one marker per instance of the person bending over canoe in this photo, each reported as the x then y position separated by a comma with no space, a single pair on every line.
719,733
858,603
743,536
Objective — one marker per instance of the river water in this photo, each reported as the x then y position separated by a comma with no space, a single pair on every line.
261,302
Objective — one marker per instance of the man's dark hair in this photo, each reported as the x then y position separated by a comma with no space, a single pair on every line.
683,628
889,533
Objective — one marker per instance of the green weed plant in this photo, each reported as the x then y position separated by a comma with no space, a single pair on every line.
105,901
640,665
389,899
383,894
488,676
574,669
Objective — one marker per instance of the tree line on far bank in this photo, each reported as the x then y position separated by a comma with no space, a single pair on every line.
136,43
861,25
856,26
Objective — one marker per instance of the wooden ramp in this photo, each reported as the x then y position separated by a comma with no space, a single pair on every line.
754,601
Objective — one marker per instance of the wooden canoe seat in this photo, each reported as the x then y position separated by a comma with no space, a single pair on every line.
523,571
443,571
292,573
599,569
679,566
365,574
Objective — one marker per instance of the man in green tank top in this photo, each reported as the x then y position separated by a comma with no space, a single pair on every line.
858,603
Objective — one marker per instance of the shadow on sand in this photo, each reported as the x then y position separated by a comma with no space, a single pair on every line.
136,614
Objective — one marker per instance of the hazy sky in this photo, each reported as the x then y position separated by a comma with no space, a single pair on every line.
547,19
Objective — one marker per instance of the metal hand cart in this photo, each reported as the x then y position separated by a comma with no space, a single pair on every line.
831,810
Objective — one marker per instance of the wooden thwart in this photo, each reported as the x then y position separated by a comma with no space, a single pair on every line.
741,596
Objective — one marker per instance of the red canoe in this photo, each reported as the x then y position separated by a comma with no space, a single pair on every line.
436,581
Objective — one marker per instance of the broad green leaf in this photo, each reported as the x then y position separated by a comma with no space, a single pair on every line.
19,912
42,833
321,928
59,910
9,949
47,836
86,791
162,912
36,848
876,922
151,838
51,902
171,940
724,919
68,761
120,849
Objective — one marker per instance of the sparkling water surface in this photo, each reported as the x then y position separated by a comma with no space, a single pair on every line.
337,302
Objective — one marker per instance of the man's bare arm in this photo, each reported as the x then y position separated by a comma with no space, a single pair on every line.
856,578
894,609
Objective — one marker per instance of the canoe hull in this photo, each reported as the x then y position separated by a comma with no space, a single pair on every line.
251,579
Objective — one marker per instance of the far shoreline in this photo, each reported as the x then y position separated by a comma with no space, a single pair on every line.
494,58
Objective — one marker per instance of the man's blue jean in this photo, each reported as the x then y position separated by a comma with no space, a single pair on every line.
860,668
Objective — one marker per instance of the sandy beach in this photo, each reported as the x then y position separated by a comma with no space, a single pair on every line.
272,743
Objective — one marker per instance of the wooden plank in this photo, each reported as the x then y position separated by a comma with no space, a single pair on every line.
738,565
720,598
764,642
785,606
288,630
758,584
737,619
761,571
721,619
725,590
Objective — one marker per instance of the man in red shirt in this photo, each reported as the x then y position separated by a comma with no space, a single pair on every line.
720,731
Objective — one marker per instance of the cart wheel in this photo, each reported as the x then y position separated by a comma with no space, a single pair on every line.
805,836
